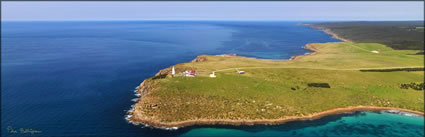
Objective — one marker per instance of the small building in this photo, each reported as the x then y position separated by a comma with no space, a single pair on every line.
212,75
189,73
240,72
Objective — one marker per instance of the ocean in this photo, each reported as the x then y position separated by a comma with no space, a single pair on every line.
78,78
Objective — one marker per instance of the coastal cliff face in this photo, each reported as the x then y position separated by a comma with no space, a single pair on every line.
201,58
328,31
136,114
307,47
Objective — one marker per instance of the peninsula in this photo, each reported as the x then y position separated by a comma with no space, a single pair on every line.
336,78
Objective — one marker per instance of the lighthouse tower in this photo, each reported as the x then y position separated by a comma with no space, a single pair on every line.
173,71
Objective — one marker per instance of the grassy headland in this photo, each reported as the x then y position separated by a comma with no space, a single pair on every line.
277,91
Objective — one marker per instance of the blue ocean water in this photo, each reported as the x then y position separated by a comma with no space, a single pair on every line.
77,78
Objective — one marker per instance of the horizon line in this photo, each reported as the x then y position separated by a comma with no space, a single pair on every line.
84,20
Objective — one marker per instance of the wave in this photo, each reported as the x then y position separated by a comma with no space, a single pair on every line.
393,111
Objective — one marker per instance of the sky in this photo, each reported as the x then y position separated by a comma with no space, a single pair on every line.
210,10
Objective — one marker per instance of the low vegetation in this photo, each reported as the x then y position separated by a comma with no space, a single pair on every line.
415,86
393,69
319,85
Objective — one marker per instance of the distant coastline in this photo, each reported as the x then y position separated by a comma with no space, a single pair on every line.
328,31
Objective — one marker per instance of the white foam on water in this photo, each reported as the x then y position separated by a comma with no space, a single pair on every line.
136,89
137,94
171,128
401,113
131,110
127,117
409,114
392,111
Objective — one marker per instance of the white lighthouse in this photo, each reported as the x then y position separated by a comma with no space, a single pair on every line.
173,71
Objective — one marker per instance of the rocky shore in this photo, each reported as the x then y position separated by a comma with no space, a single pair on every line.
175,125
308,47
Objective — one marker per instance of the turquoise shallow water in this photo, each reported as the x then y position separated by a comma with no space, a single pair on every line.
356,124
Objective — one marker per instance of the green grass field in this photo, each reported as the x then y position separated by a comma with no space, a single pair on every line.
277,89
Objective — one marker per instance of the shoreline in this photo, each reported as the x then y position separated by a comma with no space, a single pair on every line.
143,89
307,47
314,116
327,31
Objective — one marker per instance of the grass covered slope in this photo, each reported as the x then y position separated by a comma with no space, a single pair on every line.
272,90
